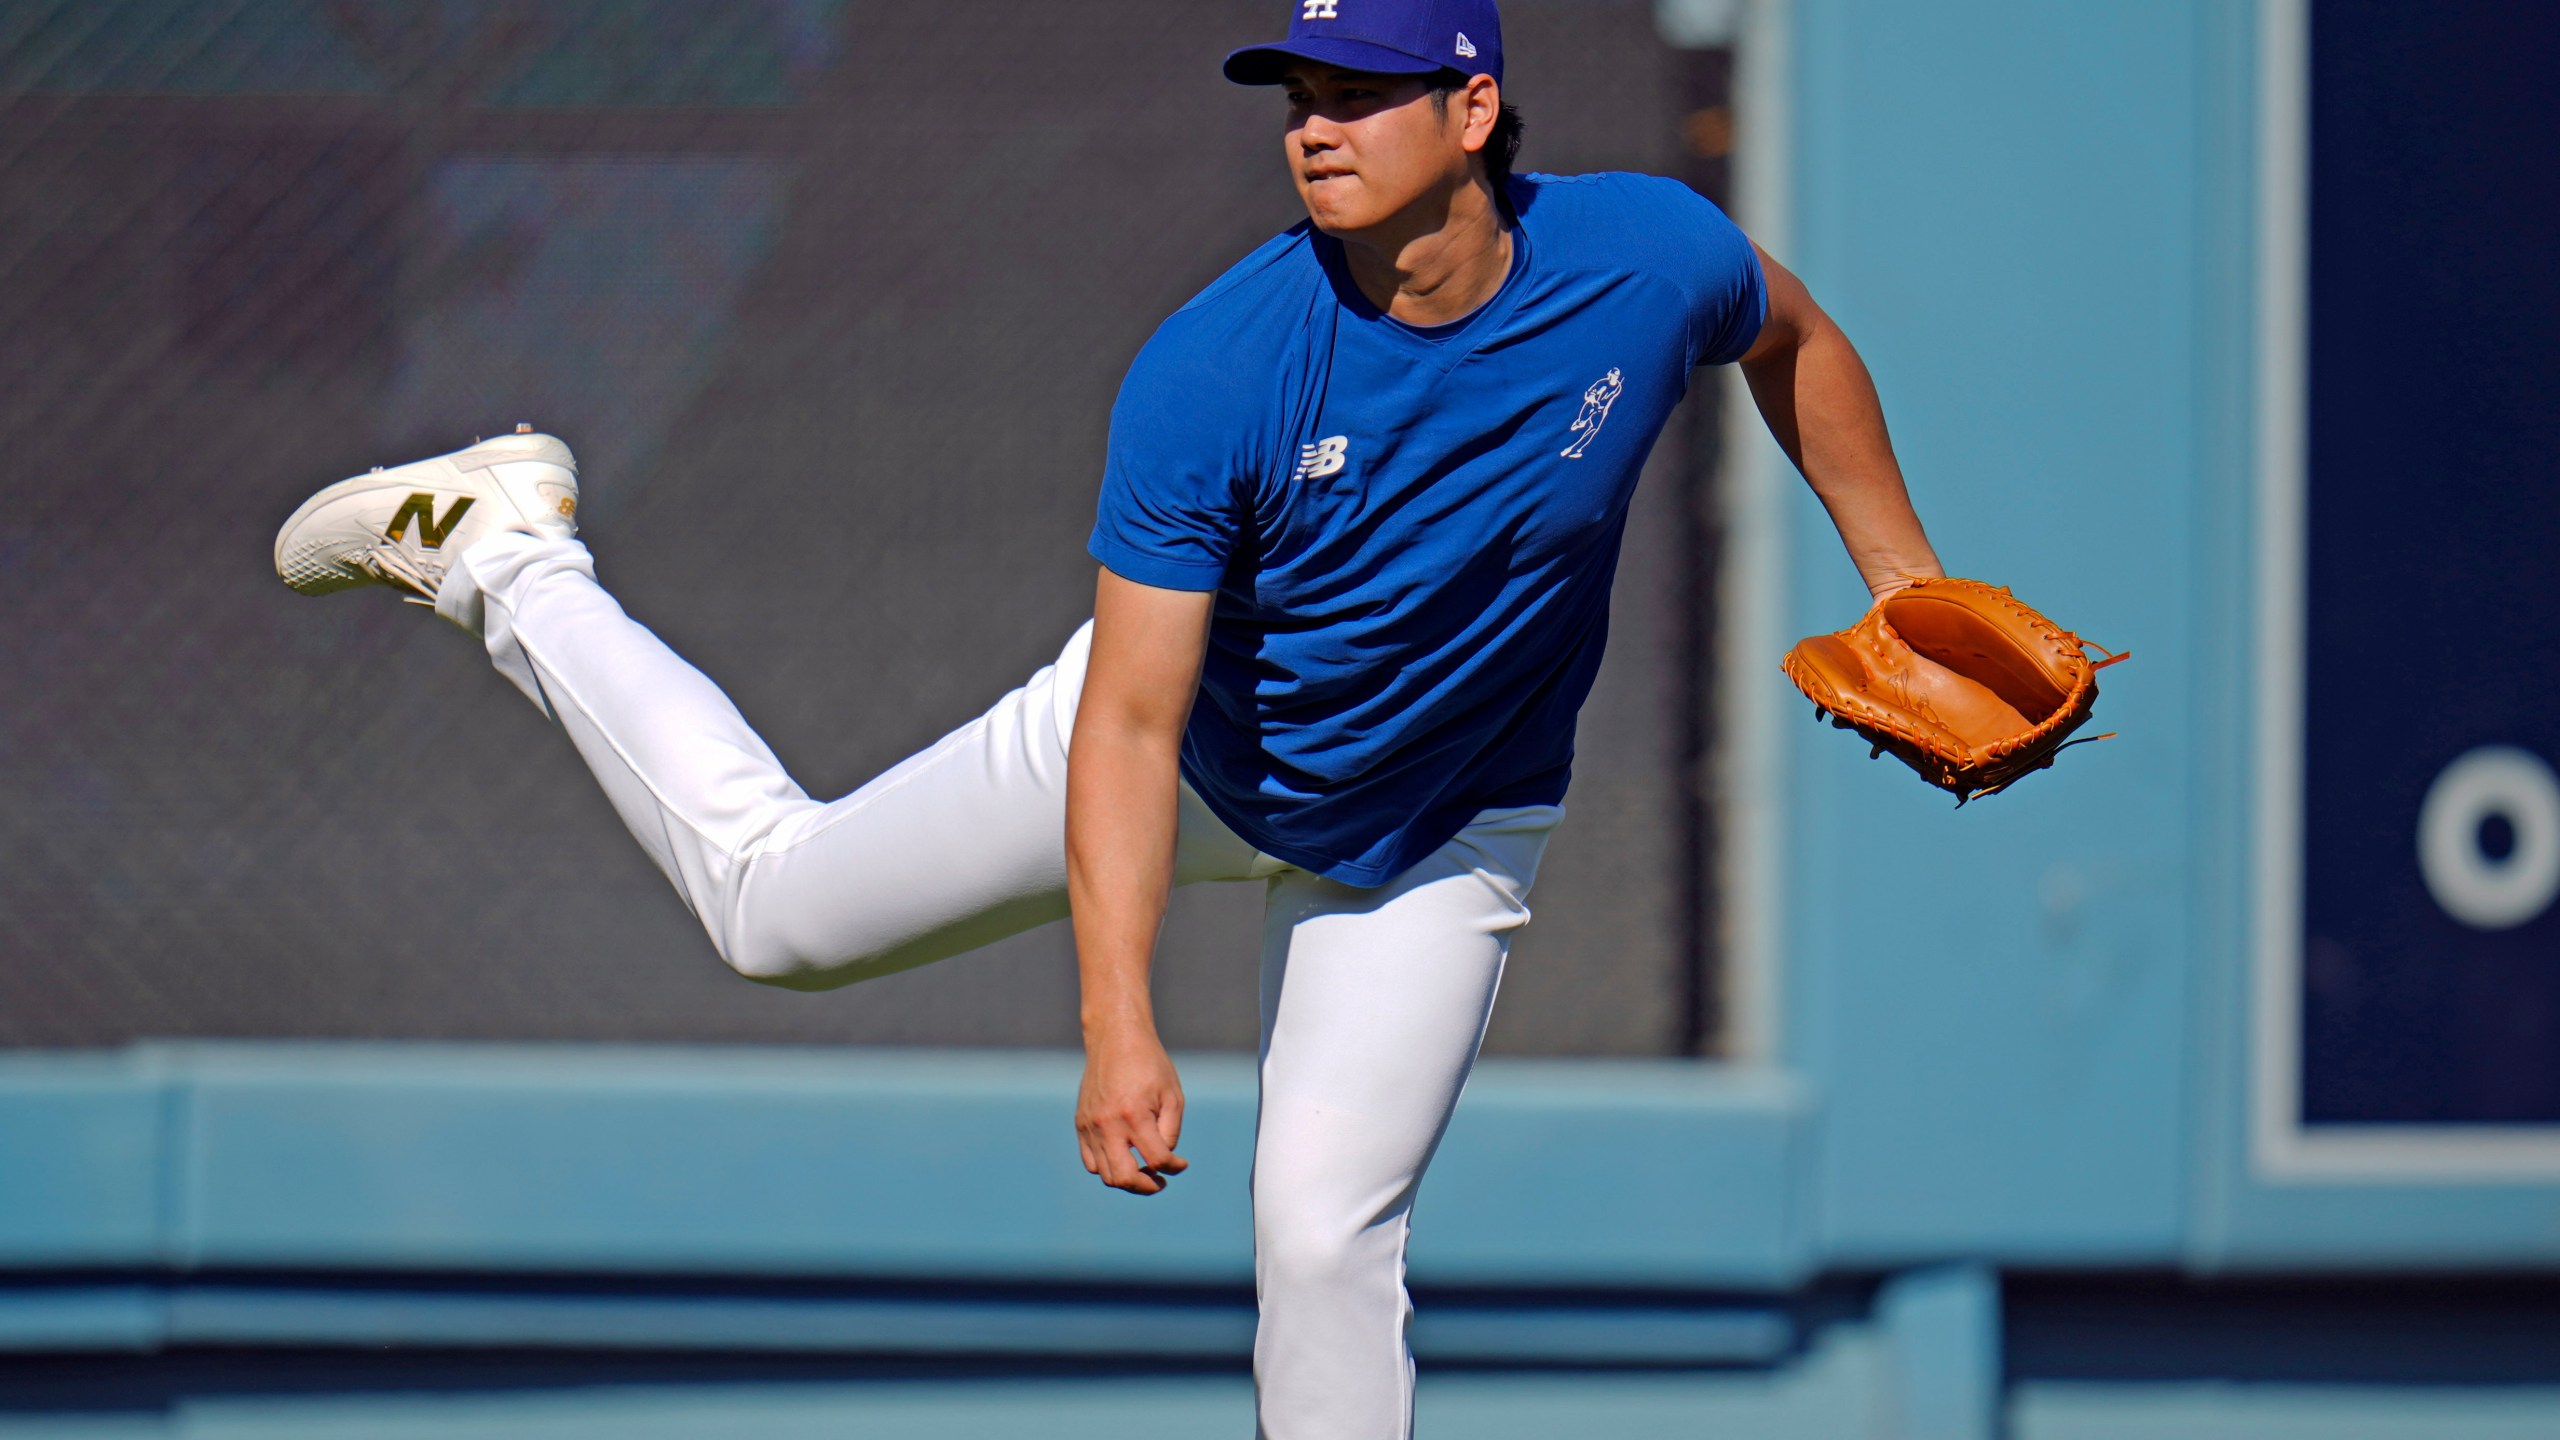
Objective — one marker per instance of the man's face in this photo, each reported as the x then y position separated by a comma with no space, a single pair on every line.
1365,148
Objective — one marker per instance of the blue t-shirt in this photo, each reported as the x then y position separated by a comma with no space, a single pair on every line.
1412,532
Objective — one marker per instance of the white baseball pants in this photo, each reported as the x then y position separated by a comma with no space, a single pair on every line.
1373,1000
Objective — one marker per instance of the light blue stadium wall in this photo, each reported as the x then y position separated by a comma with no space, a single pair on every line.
2001,204
2018,1039
2028,1026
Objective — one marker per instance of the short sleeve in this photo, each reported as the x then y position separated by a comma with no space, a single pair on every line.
1176,484
1728,295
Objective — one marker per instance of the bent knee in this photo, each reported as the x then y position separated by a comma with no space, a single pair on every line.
1324,1251
771,959
784,969
780,956
768,935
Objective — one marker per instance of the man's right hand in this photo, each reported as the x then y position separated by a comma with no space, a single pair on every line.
1131,1100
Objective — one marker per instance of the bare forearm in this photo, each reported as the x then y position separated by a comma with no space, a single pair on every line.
1121,795
1821,405
1120,829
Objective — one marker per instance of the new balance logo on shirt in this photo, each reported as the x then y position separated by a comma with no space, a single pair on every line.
1319,10
1325,457
431,531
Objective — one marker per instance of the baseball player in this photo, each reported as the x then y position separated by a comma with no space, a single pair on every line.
1358,524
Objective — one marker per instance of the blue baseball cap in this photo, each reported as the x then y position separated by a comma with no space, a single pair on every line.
1384,37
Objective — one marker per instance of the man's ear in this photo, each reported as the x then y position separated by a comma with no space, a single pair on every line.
1481,105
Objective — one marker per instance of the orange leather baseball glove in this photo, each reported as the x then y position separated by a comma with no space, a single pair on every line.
1958,680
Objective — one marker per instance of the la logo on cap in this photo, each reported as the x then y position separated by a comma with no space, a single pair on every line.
1375,37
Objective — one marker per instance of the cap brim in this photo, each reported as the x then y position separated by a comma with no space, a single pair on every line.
1267,64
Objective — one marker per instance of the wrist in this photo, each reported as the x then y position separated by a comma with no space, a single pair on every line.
1118,1025
1885,581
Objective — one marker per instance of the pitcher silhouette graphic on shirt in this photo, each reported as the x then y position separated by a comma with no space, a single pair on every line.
1604,392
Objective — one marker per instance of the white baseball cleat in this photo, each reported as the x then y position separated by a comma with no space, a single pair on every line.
401,527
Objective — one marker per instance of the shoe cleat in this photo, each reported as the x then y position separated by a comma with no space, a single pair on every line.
402,526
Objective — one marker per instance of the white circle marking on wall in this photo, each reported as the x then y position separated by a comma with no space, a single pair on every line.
2480,890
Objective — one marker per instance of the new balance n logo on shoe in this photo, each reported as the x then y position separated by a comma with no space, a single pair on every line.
431,532
1319,10
1325,457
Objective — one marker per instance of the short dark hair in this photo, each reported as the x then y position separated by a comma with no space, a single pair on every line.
1500,148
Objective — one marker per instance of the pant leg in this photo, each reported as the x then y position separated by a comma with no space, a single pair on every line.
1373,1004
955,847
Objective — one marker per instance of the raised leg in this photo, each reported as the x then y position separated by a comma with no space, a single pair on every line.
953,848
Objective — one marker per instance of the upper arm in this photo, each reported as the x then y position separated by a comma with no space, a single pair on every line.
1174,483
1691,243
1792,313
1147,647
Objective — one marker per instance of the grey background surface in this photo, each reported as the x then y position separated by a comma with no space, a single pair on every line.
835,327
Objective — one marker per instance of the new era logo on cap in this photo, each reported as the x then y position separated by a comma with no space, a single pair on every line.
1383,37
